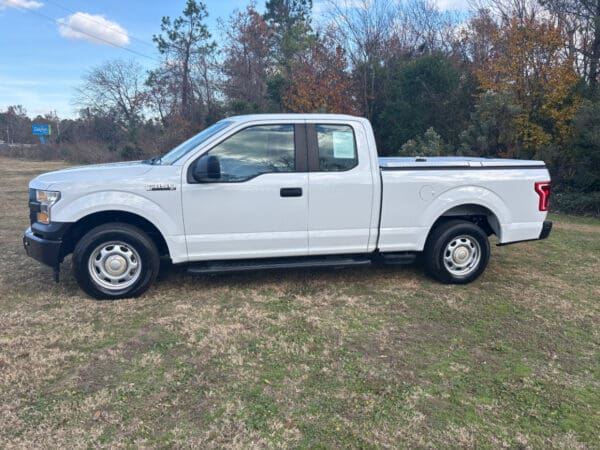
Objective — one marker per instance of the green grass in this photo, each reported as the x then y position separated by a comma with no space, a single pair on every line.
370,358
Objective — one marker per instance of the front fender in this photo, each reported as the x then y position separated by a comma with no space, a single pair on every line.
165,216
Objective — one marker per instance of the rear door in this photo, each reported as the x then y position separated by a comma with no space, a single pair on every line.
259,206
341,189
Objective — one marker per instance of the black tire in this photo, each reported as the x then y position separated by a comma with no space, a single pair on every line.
466,238
131,247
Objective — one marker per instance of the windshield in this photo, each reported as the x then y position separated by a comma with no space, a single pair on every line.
193,142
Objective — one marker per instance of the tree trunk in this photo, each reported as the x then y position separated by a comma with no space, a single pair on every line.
595,58
185,85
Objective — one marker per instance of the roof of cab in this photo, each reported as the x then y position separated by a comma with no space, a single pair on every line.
295,116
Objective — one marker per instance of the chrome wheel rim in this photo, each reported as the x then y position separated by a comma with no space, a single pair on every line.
114,265
462,256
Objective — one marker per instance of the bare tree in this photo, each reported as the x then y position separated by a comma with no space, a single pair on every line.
373,31
15,126
584,18
477,38
505,10
363,28
424,27
117,88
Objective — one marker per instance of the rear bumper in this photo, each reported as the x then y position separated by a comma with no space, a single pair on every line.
544,233
46,251
546,229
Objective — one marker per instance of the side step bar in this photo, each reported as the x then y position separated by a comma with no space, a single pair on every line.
302,262
246,265
396,258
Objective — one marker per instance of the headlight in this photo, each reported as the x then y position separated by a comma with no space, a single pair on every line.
46,200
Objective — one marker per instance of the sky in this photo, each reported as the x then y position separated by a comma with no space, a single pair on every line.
47,46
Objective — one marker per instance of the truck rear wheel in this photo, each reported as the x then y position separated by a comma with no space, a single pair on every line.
115,260
456,252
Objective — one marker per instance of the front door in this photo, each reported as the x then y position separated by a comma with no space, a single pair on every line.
258,207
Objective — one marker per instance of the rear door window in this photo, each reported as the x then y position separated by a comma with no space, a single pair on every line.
336,147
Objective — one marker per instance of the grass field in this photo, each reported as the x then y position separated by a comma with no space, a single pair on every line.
378,357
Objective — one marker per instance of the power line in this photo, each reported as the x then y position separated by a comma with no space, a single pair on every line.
55,21
91,19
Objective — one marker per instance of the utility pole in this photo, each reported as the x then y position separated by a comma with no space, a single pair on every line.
57,125
9,115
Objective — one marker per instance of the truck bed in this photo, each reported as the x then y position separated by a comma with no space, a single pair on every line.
418,190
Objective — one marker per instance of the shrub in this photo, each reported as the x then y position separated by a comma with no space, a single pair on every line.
579,203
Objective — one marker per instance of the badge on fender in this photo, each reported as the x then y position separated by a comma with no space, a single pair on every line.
161,187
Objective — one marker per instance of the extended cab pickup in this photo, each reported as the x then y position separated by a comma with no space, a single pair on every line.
292,190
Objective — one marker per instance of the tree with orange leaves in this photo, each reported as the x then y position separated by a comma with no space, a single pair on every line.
319,81
527,63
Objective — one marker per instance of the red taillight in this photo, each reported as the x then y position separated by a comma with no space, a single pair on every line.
543,190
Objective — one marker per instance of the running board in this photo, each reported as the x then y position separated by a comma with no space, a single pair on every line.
396,258
212,267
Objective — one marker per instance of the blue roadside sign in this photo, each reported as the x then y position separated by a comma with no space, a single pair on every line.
42,131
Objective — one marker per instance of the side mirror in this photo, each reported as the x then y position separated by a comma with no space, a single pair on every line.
206,169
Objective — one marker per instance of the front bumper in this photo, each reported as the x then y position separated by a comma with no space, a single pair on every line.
46,251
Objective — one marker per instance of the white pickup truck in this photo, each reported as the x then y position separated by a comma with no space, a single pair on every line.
282,190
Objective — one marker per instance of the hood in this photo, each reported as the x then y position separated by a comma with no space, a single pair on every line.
97,173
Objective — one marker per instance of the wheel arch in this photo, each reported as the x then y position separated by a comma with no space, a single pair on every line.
78,229
478,214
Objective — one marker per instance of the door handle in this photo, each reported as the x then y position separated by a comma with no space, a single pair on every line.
290,192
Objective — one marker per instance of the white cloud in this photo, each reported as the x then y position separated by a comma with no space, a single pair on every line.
23,4
92,28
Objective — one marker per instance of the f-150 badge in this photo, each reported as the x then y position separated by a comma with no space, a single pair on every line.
161,187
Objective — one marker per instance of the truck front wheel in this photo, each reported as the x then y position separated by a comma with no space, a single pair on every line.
456,252
115,260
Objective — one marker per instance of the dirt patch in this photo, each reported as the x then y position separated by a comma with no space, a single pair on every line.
107,366
403,350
